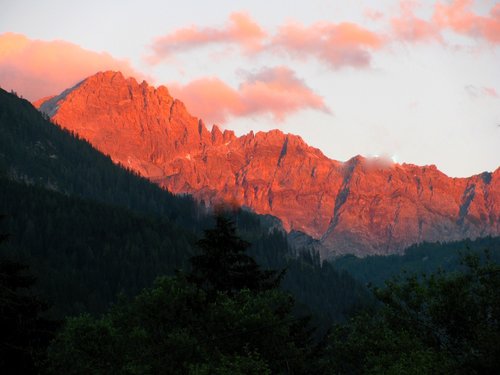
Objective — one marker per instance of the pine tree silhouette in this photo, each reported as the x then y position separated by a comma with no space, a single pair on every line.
24,332
223,264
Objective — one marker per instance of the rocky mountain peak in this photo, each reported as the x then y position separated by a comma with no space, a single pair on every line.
361,206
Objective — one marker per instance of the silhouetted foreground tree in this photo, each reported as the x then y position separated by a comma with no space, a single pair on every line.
175,328
442,324
24,332
231,320
224,265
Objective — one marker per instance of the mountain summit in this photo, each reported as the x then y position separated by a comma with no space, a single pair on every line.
362,206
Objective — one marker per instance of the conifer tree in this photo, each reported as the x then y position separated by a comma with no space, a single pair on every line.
24,332
223,264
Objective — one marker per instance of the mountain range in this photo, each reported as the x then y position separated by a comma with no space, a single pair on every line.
90,229
361,206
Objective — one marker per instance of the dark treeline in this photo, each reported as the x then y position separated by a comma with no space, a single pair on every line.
424,258
235,320
85,253
439,323
209,320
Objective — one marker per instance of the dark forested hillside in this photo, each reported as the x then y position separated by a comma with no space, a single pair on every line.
91,229
35,151
85,253
418,259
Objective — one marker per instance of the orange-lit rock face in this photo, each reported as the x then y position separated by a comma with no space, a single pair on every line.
359,206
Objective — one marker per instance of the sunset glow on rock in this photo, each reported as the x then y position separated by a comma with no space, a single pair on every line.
250,187
365,206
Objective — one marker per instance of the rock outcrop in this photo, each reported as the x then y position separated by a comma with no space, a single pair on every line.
362,206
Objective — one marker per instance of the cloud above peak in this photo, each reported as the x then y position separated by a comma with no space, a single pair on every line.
338,45
36,68
458,17
240,30
410,28
275,92
455,15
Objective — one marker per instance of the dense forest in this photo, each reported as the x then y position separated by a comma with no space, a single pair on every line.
424,258
103,272
35,151
235,320
90,229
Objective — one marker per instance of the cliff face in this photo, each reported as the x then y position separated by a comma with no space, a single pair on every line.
362,206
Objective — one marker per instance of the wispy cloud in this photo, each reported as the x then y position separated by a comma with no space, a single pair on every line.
240,30
36,68
271,91
338,45
490,91
481,92
458,17
408,27
373,14
455,15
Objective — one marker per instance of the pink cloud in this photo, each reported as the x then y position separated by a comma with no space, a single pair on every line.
240,30
338,45
458,17
490,91
410,28
476,92
373,14
272,91
209,98
455,15
36,68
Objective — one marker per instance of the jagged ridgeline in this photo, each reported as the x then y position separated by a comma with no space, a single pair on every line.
91,229
362,206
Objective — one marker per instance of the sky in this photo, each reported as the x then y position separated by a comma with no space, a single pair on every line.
414,81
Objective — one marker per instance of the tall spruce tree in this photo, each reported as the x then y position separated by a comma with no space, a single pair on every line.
226,317
223,264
